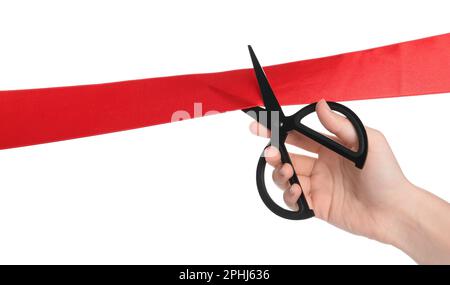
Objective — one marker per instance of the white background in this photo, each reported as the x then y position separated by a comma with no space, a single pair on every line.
185,192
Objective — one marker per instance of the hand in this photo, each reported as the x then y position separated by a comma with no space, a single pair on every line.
353,199
377,202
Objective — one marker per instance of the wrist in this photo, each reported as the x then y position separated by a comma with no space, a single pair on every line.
417,226
400,219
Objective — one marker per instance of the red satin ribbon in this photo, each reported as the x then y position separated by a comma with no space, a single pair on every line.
37,116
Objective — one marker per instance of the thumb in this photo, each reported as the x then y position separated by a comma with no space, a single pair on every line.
336,124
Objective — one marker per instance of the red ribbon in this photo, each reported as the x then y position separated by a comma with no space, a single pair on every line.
36,116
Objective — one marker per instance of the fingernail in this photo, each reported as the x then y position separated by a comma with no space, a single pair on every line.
326,104
269,152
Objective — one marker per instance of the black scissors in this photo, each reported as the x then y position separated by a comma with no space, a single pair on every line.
273,118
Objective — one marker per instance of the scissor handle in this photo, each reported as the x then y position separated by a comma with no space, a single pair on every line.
304,212
359,156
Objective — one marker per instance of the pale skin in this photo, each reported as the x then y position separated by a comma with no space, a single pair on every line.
377,202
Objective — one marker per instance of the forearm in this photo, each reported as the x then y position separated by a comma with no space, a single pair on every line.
421,227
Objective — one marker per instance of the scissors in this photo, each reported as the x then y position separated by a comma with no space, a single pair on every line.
273,118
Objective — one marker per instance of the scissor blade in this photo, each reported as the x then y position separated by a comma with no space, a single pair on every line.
269,99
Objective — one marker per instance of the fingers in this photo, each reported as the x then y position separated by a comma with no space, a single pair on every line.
283,172
293,138
259,130
273,156
292,195
303,164
336,124
281,175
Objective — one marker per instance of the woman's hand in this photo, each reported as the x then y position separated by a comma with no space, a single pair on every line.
372,202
